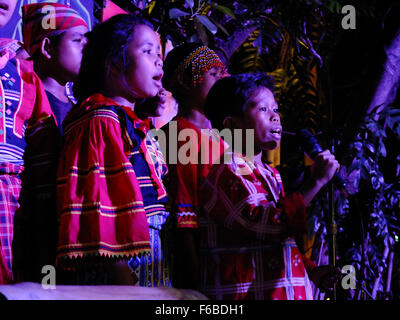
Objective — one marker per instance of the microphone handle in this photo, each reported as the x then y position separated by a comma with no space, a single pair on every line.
336,179
312,148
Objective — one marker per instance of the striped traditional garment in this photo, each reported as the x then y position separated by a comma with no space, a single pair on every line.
25,117
187,178
111,196
151,270
247,235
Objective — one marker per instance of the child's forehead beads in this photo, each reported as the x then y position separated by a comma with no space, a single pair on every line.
201,60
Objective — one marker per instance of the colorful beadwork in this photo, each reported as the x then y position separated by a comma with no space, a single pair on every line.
201,60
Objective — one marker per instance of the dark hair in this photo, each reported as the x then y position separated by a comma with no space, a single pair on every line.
228,96
174,58
107,47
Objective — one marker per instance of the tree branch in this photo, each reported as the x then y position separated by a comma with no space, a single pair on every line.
386,90
230,45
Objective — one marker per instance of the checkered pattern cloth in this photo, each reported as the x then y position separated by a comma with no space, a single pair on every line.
10,187
247,235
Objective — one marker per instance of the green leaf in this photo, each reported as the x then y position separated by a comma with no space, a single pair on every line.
382,150
220,26
370,147
176,13
201,32
225,10
208,24
190,3
151,6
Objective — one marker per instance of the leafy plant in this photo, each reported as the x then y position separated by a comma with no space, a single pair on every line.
380,211
188,20
369,218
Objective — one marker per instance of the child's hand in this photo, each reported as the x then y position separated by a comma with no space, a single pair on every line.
324,167
325,277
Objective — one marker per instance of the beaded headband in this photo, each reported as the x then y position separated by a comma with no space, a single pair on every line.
202,59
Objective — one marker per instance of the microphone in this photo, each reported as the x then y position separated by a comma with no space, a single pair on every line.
311,147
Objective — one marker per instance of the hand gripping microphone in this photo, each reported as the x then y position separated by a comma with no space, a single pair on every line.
311,147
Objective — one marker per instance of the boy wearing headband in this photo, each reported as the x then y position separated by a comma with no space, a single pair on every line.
54,39
54,36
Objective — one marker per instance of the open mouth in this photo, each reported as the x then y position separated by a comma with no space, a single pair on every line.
276,131
158,77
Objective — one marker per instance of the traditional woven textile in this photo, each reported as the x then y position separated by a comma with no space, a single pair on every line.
40,20
10,188
152,270
24,105
8,50
247,235
101,208
26,127
146,157
187,178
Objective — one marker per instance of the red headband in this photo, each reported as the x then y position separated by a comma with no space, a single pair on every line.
46,19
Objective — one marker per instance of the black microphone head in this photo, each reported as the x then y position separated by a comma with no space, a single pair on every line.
311,147
308,143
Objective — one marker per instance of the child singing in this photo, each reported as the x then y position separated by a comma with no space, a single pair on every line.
190,71
248,248
111,198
